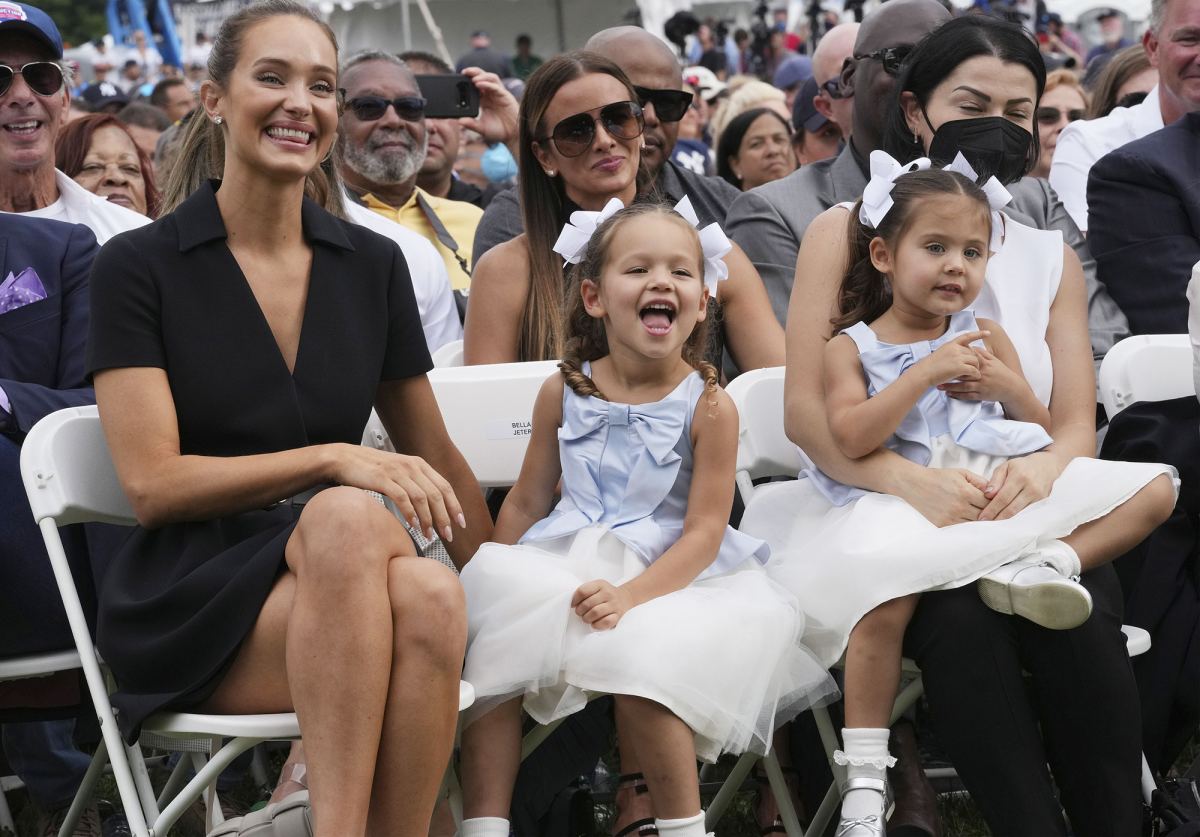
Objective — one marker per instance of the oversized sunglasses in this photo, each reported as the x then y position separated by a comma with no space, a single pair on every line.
669,105
890,57
1051,116
371,108
574,135
44,78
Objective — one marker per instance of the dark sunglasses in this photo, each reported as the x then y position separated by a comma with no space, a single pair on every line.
669,105
834,89
890,57
1051,116
44,78
370,108
574,135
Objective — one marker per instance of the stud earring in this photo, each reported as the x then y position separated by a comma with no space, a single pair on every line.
218,119
550,172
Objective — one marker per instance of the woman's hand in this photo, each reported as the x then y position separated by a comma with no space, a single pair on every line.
946,496
1019,482
996,382
420,493
601,604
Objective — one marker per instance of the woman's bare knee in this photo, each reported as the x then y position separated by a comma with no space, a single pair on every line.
429,607
1160,499
341,528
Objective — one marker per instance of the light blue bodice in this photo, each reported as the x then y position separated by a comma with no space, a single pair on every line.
628,467
975,425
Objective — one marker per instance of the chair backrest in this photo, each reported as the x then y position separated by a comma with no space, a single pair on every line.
1147,367
68,473
451,354
488,411
764,450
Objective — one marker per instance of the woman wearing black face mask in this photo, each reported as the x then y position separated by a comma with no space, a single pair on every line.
972,86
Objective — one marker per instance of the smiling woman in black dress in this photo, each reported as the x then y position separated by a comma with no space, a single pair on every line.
238,345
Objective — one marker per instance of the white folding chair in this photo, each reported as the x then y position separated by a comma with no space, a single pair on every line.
69,478
488,412
451,354
1146,367
765,451
29,667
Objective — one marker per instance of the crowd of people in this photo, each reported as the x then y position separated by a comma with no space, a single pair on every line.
938,224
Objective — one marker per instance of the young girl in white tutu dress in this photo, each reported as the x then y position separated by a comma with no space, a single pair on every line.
913,370
634,585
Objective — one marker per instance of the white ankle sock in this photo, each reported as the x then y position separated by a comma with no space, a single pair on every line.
484,827
1059,555
686,827
866,756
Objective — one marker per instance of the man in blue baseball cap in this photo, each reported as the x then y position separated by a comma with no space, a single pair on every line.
816,137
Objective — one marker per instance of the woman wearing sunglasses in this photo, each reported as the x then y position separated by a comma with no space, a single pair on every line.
1064,102
238,345
1008,696
581,129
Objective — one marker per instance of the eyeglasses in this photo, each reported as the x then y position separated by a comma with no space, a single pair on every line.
573,135
1051,116
669,105
834,89
890,57
44,78
370,108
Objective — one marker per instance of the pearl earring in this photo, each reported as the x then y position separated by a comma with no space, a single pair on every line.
218,119
550,172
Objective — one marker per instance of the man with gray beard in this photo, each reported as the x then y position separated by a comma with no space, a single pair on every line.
382,140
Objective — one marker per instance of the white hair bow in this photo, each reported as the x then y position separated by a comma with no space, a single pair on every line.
713,242
997,197
573,240
877,197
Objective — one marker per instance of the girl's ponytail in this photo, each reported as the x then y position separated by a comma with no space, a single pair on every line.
865,293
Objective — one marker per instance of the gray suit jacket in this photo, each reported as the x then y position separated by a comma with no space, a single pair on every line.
769,222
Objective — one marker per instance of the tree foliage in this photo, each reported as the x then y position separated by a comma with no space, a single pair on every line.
77,20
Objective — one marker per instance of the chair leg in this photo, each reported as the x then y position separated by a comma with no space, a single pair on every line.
716,808
205,776
84,795
176,781
783,795
141,778
6,819
1149,785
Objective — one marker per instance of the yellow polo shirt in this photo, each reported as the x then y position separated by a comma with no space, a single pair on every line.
459,218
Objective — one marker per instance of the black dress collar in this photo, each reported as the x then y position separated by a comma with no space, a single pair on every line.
198,221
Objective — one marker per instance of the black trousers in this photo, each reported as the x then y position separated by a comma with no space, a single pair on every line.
1077,711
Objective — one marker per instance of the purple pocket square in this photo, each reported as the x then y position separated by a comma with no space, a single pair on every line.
22,289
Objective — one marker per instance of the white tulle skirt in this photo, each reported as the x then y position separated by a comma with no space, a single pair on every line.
723,653
843,561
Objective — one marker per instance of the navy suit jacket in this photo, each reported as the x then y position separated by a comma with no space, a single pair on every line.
1144,225
42,343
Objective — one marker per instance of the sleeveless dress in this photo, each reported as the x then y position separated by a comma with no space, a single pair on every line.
723,653
843,551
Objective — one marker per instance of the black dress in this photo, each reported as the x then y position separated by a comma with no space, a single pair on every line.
177,601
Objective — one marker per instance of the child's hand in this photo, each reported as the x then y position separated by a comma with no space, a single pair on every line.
601,604
955,361
996,382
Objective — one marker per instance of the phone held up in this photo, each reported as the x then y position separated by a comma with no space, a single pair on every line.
448,96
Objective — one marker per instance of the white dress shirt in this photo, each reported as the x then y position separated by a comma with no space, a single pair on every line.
76,205
431,284
1082,143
